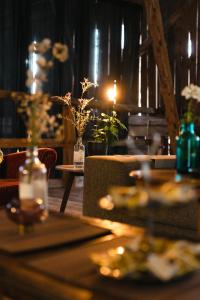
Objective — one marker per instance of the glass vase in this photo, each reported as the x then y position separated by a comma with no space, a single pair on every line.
79,153
1,156
33,189
187,150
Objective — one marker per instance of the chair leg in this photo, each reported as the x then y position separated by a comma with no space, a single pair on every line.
69,182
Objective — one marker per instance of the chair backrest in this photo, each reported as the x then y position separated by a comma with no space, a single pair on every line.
11,162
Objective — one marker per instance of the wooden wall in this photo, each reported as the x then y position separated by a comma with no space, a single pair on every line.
150,93
183,24
181,20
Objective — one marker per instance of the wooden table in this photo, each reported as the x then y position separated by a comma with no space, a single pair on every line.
72,172
159,176
67,273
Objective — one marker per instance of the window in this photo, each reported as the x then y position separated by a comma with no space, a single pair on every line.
96,62
34,68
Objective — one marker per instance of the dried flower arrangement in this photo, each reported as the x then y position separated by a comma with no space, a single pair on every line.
80,113
35,107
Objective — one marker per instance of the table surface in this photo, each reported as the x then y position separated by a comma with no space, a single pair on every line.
160,176
66,272
70,168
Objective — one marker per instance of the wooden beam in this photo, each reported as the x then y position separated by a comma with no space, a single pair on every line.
156,30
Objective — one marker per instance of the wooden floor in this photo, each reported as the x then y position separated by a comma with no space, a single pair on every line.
56,190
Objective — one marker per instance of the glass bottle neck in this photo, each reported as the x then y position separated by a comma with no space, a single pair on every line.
187,127
32,155
79,140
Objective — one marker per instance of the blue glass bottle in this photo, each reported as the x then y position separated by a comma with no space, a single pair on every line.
187,150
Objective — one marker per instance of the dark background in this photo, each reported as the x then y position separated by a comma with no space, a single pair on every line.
72,22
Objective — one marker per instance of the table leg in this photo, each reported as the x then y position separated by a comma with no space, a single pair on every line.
69,182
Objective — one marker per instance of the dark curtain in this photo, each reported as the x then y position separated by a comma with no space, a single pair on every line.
72,22
14,38
75,24
130,61
72,26
67,22
116,63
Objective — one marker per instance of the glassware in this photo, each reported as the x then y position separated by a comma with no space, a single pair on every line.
33,189
79,153
187,150
1,156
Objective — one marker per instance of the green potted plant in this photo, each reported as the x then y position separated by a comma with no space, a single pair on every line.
105,133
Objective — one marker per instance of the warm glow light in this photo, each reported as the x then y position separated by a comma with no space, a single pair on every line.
106,203
116,273
120,250
105,271
112,93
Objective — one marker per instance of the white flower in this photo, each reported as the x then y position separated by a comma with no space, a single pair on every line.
84,102
44,45
32,47
162,267
36,106
43,63
191,92
33,79
41,47
60,52
41,76
86,85
79,115
30,78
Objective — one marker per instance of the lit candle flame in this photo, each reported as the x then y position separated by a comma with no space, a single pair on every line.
112,93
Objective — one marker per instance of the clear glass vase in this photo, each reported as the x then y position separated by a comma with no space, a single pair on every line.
33,189
1,156
79,153
187,150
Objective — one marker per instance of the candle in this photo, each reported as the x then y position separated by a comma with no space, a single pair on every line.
112,93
